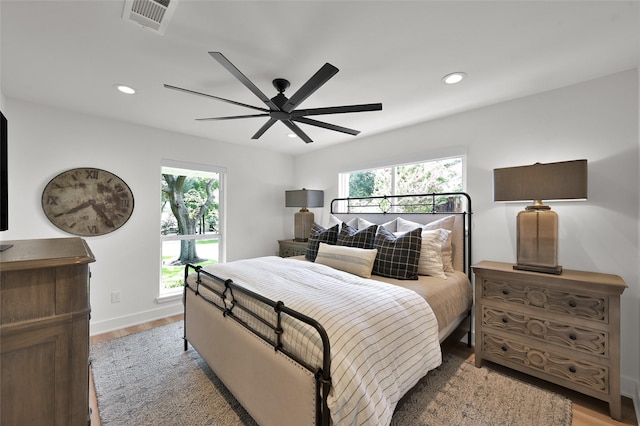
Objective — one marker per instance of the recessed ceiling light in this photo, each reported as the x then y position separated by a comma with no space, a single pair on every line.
292,135
125,89
454,77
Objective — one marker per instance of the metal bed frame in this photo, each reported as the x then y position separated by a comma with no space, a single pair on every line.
322,375
398,205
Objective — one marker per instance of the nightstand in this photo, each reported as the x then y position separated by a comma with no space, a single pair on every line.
561,328
290,248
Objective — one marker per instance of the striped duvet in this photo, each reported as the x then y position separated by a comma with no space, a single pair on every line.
383,338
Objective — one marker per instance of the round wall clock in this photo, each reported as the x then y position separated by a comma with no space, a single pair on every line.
87,201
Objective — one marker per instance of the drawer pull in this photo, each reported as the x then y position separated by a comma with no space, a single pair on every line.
505,291
504,348
572,303
505,320
572,369
572,336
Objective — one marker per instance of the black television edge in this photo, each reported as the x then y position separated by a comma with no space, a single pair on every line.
4,187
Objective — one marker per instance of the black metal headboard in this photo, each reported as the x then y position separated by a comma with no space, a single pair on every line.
422,208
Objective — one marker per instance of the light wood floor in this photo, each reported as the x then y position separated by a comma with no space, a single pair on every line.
587,411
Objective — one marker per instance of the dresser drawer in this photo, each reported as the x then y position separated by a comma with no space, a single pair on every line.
288,248
594,308
538,359
562,334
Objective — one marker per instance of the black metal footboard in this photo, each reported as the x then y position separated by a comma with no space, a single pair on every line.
230,307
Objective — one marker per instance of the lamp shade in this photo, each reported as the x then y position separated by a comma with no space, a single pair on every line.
551,181
304,198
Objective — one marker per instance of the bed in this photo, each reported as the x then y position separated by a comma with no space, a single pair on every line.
318,340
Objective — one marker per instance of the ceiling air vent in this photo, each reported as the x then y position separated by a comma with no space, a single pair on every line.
153,14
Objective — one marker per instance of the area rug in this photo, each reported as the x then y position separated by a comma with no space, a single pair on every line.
147,379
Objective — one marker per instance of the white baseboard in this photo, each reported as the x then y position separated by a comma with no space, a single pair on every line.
112,324
631,389
636,402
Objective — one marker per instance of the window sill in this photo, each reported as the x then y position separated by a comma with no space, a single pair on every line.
169,297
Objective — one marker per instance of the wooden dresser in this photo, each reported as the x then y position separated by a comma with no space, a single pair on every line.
290,248
561,328
44,332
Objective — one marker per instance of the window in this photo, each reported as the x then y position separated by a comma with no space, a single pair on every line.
191,220
434,176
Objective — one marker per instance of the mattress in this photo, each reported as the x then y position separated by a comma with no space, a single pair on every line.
449,298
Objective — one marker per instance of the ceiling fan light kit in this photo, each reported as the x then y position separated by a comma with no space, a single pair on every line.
281,108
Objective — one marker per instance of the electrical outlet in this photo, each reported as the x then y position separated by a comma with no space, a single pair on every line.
115,297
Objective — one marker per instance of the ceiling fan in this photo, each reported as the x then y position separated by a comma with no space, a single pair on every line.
282,108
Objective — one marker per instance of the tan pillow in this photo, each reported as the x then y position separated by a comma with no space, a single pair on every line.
354,260
430,262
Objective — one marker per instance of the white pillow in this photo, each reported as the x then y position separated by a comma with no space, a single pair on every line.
444,223
364,224
354,260
403,225
389,226
430,262
447,247
333,221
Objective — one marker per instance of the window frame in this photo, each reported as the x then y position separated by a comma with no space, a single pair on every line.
194,169
343,177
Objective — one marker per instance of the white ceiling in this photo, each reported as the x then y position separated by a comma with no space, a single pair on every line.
69,54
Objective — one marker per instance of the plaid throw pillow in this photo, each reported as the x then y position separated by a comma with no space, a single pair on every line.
351,237
320,234
397,256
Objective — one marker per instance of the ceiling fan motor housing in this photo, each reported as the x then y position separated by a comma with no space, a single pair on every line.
281,84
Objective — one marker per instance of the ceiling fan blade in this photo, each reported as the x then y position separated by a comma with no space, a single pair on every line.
243,79
314,83
297,130
264,128
326,125
232,117
215,97
337,110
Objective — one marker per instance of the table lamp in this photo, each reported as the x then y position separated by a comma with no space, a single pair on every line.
537,225
303,220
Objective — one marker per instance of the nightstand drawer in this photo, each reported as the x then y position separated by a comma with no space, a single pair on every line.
288,248
562,334
529,358
576,305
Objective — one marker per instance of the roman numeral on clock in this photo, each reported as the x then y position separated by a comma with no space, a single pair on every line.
92,174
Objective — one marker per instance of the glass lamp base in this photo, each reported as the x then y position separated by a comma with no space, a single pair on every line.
547,270
538,241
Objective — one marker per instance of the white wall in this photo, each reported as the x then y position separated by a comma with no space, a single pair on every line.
45,141
636,395
596,120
